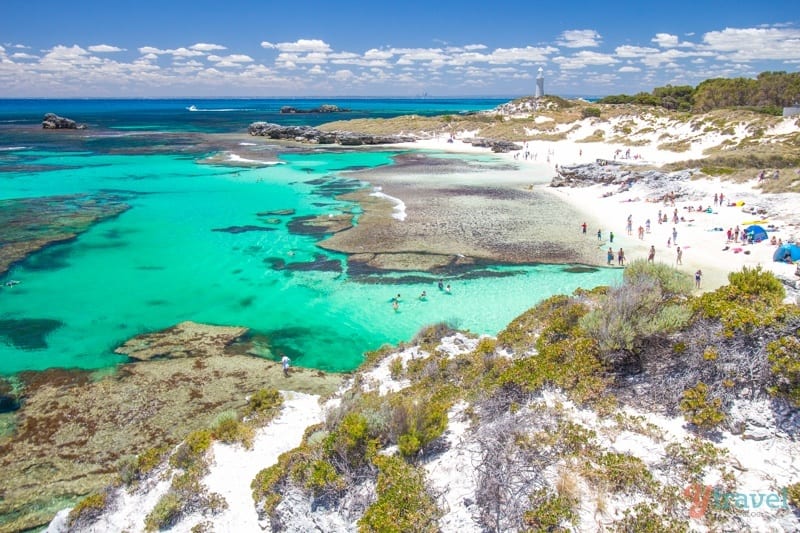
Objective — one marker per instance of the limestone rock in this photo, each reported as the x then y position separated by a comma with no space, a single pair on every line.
311,135
52,121
187,339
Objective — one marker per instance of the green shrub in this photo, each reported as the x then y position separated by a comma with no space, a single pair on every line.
403,504
192,449
621,472
322,476
165,514
649,302
549,512
588,112
752,299
698,409
88,509
784,356
230,430
418,421
643,518
263,402
396,367
793,493
144,463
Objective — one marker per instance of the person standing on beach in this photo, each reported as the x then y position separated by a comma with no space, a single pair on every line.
621,257
611,237
679,258
697,276
610,256
583,227
647,225
599,235
674,235
285,362
652,254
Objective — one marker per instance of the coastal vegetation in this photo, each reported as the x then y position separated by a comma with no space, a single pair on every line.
768,93
521,393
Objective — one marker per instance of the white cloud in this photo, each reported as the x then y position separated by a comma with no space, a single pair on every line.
300,46
629,69
315,70
22,55
105,48
749,44
207,47
583,59
627,50
343,75
579,39
665,40
233,58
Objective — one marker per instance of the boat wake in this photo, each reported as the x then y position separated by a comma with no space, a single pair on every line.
194,108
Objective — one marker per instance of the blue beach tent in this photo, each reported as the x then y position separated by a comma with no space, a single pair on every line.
757,233
787,250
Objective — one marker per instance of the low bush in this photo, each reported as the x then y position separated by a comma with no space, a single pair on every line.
396,367
263,402
192,450
621,472
550,512
87,510
165,514
784,356
588,112
145,462
699,409
403,503
751,300
230,430
643,518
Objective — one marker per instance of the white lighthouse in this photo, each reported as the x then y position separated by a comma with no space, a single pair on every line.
540,83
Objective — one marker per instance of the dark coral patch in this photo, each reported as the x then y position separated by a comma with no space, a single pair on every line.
28,333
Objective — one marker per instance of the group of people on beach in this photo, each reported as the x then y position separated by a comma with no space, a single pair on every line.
423,297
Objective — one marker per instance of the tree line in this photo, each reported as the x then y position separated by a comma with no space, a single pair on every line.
769,92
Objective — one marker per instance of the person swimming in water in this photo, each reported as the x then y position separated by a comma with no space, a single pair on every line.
423,296
447,289
396,305
441,285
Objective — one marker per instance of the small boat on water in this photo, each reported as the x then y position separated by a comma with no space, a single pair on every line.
12,282
191,108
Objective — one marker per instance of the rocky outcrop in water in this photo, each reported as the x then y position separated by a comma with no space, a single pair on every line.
52,121
324,108
311,135
31,224
187,339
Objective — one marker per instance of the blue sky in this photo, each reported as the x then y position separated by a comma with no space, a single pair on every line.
143,48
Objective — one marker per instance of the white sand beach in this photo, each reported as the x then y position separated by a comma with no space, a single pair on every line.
701,236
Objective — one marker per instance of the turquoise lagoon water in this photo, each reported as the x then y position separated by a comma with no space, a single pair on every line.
161,262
